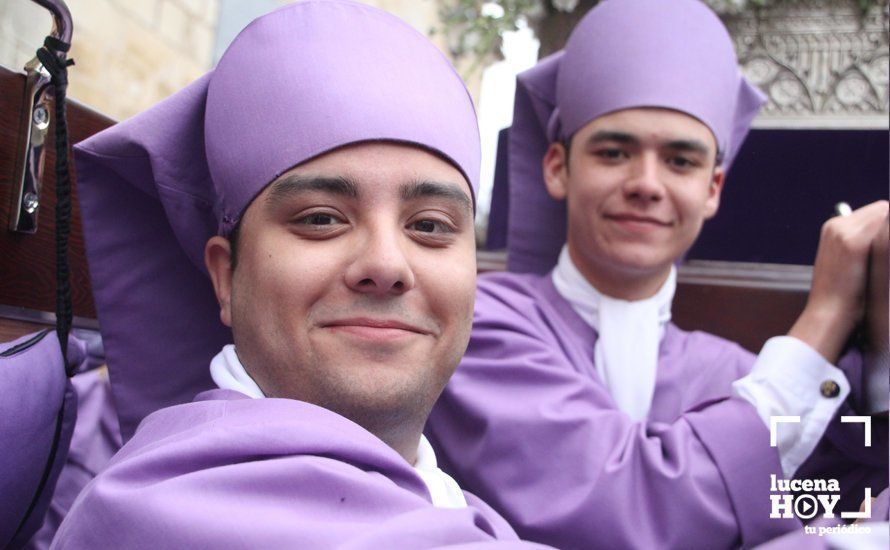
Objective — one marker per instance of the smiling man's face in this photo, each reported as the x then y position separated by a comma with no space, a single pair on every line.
639,184
354,283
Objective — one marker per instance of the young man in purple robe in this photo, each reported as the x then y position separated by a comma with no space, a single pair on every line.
579,411
314,193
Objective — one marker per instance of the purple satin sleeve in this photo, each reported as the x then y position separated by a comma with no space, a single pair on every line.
231,472
526,425
37,414
95,440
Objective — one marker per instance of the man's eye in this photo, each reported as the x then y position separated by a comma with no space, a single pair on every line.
426,226
432,227
319,224
682,162
319,218
610,154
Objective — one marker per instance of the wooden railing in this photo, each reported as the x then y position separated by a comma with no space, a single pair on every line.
743,302
27,262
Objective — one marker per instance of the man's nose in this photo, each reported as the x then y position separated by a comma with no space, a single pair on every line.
381,265
644,182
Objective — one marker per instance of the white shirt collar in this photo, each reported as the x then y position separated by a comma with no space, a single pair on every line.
629,334
228,373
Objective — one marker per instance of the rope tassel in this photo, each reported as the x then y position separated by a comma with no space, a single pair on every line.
52,56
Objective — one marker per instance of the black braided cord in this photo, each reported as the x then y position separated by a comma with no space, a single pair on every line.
49,55
52,56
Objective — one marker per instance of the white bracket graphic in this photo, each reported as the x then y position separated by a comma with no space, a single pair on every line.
774,422
866,508
860,420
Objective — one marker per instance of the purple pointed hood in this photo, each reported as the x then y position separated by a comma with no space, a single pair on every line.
673,54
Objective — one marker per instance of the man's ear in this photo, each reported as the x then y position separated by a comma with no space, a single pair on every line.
556,171
715,187
218,259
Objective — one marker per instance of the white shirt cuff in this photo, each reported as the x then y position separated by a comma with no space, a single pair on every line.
791,379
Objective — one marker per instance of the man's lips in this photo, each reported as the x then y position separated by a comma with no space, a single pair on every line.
636,218
375,329
635,224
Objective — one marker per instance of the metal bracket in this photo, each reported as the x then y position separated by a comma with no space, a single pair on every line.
36,115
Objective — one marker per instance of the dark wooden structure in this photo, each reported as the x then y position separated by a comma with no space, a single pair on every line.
744,302
27,262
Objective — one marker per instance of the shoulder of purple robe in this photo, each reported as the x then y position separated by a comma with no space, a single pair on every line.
228,471
37,414
525,424
95,440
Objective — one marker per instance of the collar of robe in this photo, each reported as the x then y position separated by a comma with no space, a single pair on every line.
228,373
629,334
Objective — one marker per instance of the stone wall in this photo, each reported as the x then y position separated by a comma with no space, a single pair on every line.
823,63
130,54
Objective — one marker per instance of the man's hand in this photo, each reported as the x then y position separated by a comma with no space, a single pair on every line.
837,297
876,376
877,330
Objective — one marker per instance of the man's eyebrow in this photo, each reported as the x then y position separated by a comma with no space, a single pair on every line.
609,135
292,185
450,191
689,145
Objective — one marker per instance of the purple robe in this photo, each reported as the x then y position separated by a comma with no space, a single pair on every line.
95,440
38,407
527,424
226,471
